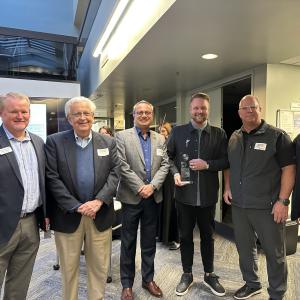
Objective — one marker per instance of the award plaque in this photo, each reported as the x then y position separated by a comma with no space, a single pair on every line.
185,170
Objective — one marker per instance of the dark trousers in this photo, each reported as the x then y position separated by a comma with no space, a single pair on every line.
146,212
187,217
250,224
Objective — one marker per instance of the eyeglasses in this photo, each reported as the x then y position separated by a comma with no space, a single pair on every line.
249,107
140,113
84,114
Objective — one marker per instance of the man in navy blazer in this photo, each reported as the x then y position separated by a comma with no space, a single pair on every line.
82,177
22,195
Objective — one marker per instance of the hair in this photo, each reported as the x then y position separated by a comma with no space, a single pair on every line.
167,126
108,130
14,95
200,95
79,99
142,102
255,97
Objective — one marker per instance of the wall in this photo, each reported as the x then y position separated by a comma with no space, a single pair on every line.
283,87
37,88
49,16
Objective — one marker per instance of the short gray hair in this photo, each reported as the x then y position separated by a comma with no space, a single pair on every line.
142,102
79,99
15,95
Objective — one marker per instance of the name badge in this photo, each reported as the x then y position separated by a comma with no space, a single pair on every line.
159,152
5,150
103,152
260,146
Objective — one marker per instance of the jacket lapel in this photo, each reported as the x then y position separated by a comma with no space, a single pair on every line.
136,142
97,162
153,146
70,155
4,142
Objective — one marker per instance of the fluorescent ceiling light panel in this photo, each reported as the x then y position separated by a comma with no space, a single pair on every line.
120,8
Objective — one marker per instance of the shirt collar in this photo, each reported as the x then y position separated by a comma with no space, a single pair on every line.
78,138
10,136
196,126
139,131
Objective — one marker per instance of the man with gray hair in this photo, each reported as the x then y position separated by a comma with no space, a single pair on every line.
22,195
82,177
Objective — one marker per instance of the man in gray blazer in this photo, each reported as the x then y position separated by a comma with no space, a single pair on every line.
22,195
82,177
144,166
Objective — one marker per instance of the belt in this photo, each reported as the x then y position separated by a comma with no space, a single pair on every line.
26,214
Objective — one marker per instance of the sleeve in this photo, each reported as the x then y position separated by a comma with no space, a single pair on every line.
109,189
285,150
55,185
221,161
163,170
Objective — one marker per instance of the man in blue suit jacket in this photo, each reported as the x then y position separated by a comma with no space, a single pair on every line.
82,177
22,195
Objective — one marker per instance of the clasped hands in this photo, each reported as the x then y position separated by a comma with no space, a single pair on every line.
146,191
90,208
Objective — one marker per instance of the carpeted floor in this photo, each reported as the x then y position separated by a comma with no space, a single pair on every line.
46,283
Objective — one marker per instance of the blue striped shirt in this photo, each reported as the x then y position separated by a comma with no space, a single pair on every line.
28,166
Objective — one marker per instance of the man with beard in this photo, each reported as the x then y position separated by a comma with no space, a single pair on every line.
197,151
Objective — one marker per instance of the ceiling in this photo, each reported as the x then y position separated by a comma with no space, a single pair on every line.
243,33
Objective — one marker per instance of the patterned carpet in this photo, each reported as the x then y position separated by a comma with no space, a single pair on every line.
46,283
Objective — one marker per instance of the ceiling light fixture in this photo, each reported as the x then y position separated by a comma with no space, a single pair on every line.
209,56
128,25
117,14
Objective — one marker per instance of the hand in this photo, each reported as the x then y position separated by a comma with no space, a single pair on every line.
227,196
146,191
198,164
47,224
90,208
280,212
177,180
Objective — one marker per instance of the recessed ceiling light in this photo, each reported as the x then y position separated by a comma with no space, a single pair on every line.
209,56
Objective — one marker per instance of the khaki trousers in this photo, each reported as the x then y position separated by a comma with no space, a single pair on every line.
17,259
97,251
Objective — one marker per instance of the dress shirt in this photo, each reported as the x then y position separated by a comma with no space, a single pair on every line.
146,147
83,142
28,166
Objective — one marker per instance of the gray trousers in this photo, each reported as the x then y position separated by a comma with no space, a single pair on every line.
250,224
17,259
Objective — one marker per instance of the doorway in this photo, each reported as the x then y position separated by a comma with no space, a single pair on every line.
231,95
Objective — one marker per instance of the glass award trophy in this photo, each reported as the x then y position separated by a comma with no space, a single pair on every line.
185,170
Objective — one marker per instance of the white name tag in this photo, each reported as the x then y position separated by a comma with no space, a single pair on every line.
5,150
159,152
260,146
103,152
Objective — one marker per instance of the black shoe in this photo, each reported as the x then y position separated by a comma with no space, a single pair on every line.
212,282
246,292
185,283
174,246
